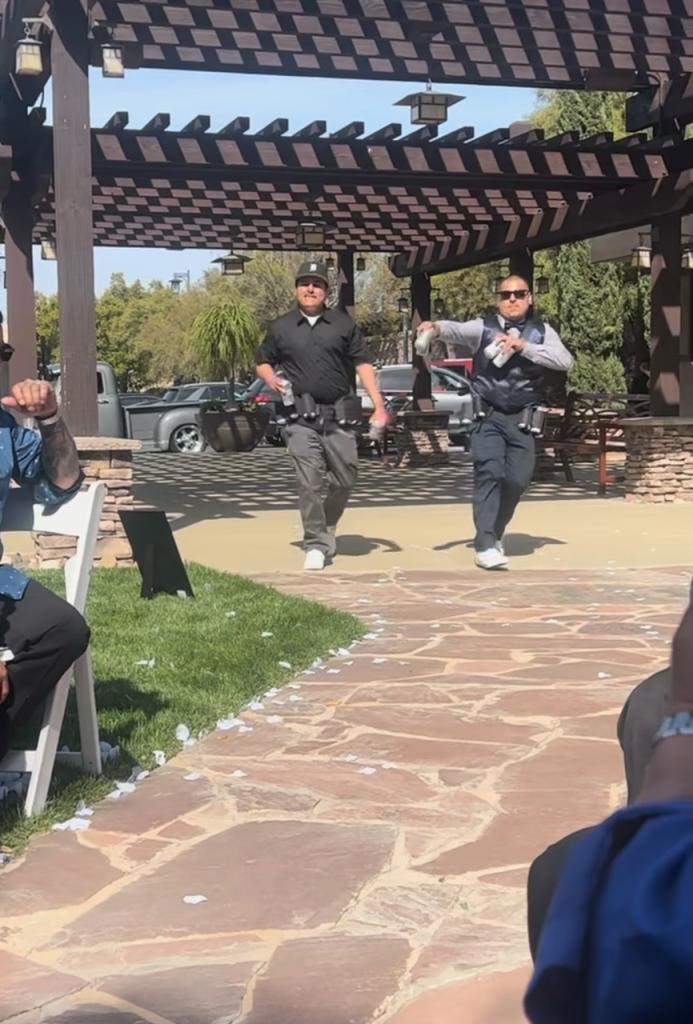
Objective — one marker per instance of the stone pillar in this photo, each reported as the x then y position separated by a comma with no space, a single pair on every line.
659,459
665,275
107,460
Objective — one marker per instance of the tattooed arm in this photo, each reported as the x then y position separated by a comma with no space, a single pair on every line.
59,459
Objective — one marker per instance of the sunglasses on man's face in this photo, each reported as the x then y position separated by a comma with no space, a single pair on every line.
518,293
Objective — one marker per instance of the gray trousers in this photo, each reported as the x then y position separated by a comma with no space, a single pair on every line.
503,457
325,460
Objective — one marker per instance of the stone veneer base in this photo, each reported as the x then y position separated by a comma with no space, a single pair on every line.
109,460
659,459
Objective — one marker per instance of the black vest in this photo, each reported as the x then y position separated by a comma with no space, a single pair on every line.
517,384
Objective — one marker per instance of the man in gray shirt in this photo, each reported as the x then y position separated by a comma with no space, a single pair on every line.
511,352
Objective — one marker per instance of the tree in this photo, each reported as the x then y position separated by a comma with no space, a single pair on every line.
225,336
599,309
47,331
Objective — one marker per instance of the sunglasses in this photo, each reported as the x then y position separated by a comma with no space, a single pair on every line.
518,293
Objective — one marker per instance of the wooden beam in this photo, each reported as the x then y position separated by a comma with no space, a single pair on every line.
385,134
456,138
346,282
672,100
117,122
522,265
421,135
73,214
18,216
311,131
238,126
665,277
611,211
350,131
420,288
198,126
274,130
159,123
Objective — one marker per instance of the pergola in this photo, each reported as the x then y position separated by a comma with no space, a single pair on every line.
434,203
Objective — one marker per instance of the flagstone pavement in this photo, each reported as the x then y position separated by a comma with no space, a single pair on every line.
362,852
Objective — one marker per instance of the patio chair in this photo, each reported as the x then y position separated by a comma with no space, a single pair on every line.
78,517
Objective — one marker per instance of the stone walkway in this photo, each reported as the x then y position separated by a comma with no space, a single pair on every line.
363,851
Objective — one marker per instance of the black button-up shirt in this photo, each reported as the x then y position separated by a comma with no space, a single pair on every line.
318,360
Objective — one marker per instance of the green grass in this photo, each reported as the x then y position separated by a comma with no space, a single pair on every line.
206,666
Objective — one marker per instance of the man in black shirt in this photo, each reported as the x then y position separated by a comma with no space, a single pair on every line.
318,351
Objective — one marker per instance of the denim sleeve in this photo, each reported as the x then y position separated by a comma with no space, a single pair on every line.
28,466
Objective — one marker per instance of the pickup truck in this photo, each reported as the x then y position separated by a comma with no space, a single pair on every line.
168,424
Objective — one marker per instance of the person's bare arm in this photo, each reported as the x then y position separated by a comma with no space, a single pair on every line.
270,377
59,456
369,380
670,772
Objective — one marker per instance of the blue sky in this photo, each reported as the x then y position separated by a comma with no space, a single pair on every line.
262,98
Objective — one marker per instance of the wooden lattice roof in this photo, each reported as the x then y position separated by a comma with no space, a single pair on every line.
547,43
198,189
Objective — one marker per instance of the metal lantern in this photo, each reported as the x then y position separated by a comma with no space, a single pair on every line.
330,263
403,302
429,107
687,259
112,65
233,264
438,307
360,263
310,235
542,285
28,59
641,256
48,250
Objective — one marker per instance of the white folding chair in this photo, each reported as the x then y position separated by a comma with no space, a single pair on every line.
78,517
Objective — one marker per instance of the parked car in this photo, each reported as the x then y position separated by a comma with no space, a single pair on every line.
159,424
204,391
451,393
137,398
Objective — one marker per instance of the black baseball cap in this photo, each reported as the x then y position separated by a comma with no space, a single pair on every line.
313,268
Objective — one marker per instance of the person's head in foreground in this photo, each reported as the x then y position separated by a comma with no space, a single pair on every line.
513,298
311,287
617,947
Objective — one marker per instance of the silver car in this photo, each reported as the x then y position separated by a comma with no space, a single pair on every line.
450,391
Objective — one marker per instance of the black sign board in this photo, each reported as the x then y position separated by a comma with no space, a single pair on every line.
156,553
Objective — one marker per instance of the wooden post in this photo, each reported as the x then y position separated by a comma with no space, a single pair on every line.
346,283
522,265
665,276
420,310
686,347
73,213
19,267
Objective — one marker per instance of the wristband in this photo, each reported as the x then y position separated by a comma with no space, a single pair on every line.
47,421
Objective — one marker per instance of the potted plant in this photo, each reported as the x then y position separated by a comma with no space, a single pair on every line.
224,338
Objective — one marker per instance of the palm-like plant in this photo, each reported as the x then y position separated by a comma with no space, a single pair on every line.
224,337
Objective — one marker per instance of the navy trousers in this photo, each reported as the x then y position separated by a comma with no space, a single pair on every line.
503,457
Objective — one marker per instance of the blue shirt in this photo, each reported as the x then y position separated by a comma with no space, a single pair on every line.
617,946
20,460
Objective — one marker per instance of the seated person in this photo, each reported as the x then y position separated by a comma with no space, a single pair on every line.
637,725
42,634
617,945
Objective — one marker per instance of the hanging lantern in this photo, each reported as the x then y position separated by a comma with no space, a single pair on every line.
429,107
28,58
542,285
403,302
687,259
112,65
360,263
48,250
310,235
233,264
330,263
438,308
641,256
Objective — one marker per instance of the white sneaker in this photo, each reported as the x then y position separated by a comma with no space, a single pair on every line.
315,560
491,558
500,548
